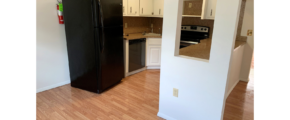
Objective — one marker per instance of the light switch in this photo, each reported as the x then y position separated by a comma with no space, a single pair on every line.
190,5
250,32
175,92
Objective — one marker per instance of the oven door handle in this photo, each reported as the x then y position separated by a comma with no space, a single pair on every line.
190,42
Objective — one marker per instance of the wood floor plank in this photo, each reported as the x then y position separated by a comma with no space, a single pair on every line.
135,98
240,103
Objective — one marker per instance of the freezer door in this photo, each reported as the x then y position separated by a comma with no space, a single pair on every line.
80,44
112,57
110,11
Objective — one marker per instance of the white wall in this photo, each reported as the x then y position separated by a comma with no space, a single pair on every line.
246,63
202,85
248,23
235,67
52,60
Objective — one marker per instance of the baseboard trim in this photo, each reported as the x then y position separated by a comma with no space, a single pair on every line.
52,86
165,116
245,80
153,67
136,71
232,88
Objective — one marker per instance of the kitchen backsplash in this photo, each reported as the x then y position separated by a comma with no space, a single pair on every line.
136,24
194,9
157,25
141,24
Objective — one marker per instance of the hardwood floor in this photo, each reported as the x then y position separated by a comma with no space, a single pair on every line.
240,103
135,98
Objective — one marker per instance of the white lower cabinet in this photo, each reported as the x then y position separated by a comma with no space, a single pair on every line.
153,53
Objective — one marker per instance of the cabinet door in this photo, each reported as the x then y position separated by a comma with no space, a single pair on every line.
209,9
133,7
154,57
146,7
158,7
213,8
125,7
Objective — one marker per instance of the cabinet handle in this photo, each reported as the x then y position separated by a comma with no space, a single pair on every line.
142,10
130,9
123,10
159,11
210,12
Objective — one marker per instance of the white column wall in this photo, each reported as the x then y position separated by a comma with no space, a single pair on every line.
202,85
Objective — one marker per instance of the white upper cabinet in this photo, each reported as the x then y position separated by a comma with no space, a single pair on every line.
125,7
209,9
155,8
133,7
146,7
158,7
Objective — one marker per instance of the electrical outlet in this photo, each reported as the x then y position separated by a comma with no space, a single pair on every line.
190,5
126,25
175,92
151,25
250,32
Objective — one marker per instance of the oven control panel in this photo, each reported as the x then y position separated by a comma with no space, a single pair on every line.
195,28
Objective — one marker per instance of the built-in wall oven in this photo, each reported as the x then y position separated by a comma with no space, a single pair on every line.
192,34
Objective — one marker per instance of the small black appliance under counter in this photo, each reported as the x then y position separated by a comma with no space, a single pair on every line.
137,48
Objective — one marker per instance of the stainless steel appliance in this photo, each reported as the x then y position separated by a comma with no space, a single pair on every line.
192,34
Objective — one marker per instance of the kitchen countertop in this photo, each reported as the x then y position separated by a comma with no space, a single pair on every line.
239,43
202,50
138,36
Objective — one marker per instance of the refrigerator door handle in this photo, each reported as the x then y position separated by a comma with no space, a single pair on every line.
102,27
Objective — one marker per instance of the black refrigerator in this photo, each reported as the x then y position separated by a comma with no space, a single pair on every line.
94,33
